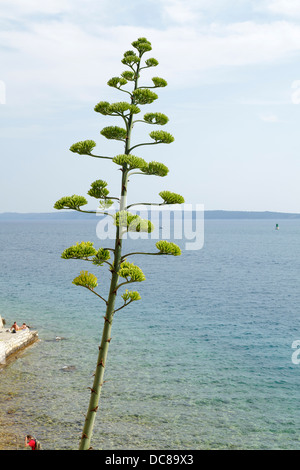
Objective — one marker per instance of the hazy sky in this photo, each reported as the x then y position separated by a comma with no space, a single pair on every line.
233,99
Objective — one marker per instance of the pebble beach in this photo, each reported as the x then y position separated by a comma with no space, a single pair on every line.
11,345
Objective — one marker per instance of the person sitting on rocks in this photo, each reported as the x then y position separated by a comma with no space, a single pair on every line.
14,328
24,327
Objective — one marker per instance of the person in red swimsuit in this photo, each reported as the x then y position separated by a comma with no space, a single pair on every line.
30,442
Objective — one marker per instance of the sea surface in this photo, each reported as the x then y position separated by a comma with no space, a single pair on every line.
203,361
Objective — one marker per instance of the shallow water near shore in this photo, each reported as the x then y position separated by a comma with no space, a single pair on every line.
203,361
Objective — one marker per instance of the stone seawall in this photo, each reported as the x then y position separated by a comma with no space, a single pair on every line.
11,343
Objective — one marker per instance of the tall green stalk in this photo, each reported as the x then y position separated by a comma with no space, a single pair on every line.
124,220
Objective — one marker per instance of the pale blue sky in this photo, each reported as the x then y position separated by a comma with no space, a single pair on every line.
233,99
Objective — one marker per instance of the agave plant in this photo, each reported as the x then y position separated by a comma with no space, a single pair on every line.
122,271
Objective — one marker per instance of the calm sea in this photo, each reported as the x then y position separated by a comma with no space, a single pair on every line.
203,361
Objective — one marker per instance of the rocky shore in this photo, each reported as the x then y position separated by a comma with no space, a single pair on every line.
11,343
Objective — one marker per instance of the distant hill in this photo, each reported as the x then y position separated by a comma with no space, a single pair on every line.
62,215
249,215
213,214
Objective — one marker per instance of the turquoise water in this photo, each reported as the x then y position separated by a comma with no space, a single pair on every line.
204,361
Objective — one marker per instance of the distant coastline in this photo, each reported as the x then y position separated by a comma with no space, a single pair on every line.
209,214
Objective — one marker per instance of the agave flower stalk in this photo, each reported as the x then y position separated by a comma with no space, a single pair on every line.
122,272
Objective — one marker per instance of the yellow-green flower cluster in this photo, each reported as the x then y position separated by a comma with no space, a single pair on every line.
144,96
117,82
151,62
133,222
130,58
159,82
131,296
114,133
84,147
171,198
86,279
128,75
155,168
131,160
156,118
131,272
101,256
142,45
98,189
162,137
116,109
81,250
70,202
168,248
